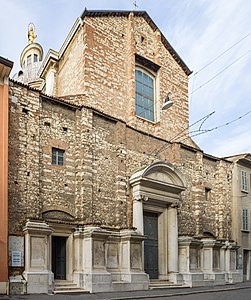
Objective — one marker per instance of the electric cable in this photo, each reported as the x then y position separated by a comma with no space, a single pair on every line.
212,61
212,78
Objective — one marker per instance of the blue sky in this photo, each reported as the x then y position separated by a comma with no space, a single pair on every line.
199,30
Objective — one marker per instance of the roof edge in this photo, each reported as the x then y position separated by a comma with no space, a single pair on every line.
145,15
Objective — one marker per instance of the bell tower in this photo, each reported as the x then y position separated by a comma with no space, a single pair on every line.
30,61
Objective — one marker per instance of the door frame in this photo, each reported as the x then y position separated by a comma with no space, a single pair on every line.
162,213
64,231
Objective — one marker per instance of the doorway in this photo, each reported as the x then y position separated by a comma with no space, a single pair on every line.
151,244
59,257
246,265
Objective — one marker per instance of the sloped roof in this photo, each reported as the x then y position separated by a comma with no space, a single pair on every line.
240,157
144,14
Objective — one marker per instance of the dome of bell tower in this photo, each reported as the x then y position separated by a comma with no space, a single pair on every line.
30,61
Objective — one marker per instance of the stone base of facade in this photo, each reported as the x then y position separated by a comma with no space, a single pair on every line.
4,288
233,277
210,279
193,279
104,282
17,285
176,278
214,279
38,282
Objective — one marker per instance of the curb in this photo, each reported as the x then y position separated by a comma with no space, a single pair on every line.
180,294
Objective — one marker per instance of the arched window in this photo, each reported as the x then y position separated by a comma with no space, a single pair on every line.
144,94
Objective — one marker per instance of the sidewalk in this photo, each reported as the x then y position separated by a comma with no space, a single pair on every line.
164,292
134,294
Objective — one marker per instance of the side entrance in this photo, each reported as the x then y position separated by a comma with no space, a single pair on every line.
59,257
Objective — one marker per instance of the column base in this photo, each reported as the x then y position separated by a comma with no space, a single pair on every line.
233,277
214,278
39,282
176,278
193,279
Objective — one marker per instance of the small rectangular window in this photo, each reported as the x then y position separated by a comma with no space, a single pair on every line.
35,58
244,181
57,156
245,219
207,194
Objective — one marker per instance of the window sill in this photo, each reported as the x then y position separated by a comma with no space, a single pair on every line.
245,191
146,120
245,231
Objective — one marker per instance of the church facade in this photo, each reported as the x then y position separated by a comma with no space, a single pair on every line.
106,189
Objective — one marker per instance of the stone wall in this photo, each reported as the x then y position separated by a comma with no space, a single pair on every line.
99,64
70,73
57,183
24,147
101,153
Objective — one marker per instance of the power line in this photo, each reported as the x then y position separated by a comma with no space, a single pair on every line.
195,132
212,78
156,151
212,61
220,126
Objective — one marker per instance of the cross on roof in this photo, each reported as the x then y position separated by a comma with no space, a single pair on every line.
135,4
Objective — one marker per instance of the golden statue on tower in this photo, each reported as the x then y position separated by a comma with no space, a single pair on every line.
31,33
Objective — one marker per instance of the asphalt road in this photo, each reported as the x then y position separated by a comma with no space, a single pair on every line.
234,292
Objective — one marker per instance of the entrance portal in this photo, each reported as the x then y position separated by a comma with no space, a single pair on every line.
151,244
59,257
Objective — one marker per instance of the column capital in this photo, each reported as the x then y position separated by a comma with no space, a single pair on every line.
140,198
175,204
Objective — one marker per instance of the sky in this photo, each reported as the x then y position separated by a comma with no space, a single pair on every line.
213,37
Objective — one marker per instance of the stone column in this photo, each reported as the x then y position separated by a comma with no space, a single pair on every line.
78,257
5,67
37,257
172,241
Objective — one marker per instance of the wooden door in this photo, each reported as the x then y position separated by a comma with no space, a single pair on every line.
151,244
59,257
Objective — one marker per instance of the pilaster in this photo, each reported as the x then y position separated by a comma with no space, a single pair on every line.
37,258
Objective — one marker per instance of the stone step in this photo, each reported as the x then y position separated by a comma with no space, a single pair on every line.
63,283
66,286
69,291
162,284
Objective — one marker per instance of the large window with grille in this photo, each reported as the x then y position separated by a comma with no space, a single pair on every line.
144,94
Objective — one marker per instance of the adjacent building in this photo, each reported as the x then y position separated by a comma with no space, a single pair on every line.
107,191
5,69
242,210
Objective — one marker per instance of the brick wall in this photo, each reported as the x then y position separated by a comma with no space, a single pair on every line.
24,167
99,64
